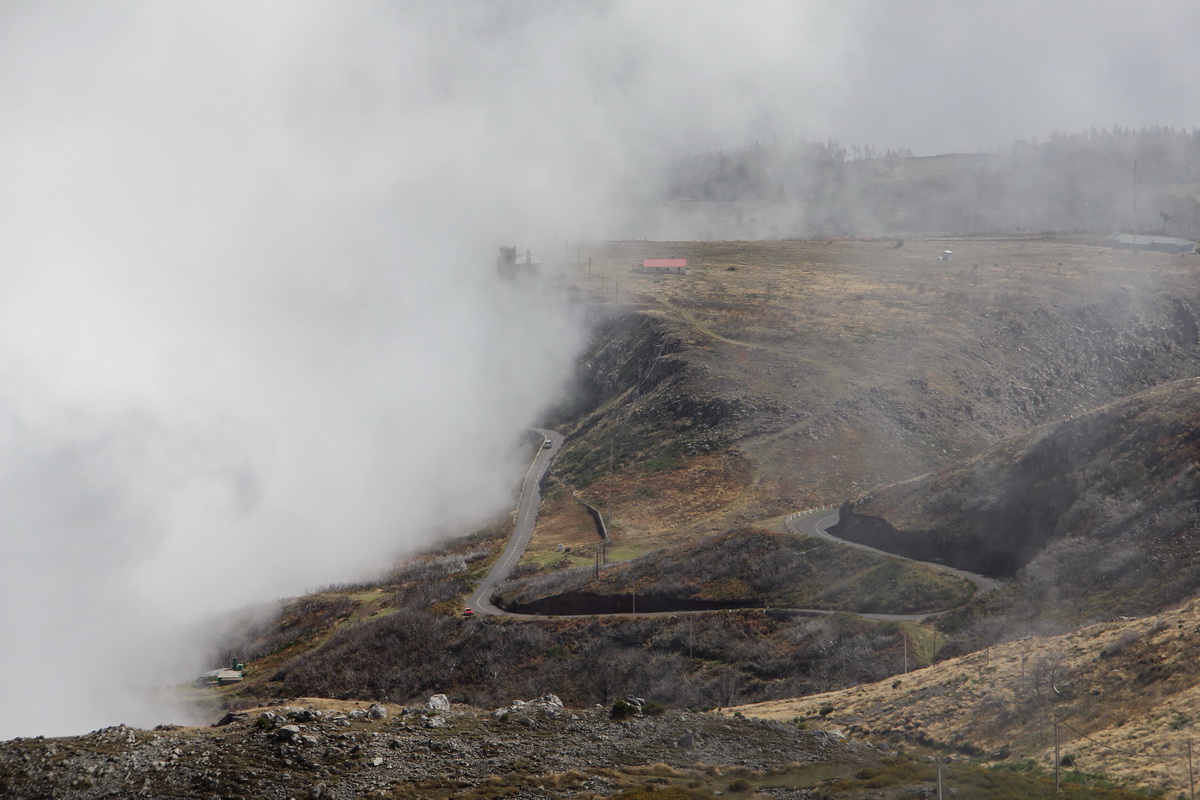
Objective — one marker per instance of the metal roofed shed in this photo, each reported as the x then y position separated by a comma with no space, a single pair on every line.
1160,244
234,673
662,266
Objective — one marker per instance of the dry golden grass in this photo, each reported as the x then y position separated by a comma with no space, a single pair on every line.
1127,694
644,510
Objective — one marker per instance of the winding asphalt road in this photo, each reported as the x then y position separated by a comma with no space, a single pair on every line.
527,510
813,523
818,523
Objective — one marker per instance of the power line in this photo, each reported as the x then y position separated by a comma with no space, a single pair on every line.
1129,753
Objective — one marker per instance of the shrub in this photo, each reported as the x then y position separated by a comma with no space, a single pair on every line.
653,708
623,710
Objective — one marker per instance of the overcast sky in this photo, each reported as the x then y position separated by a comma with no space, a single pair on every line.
250,336
933,75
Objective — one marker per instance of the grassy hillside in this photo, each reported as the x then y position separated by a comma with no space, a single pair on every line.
1126,695
404,637
745,567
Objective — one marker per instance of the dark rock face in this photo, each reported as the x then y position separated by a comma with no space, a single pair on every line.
1121,479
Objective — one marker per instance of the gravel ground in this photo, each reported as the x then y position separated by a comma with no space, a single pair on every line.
309,751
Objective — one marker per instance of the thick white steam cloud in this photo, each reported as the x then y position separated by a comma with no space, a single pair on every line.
251,334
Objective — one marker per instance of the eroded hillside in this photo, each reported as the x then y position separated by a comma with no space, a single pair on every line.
783,375
1088,518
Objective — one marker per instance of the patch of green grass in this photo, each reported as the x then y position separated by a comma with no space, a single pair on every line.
625,550
661,463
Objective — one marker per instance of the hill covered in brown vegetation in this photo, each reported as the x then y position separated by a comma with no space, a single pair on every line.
1125,695
777,376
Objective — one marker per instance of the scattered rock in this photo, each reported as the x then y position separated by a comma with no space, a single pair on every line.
231,717
269,719
287,733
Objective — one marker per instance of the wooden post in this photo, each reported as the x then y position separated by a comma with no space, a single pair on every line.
1057,760
1191,775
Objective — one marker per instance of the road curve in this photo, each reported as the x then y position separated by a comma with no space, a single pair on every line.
813,523
527,510
818,523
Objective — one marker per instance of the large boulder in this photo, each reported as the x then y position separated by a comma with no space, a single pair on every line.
287,733
438,702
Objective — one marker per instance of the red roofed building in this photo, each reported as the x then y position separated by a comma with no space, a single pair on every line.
662,266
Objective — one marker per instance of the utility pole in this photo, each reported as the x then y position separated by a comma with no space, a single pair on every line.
904,634
1057,784
1192,782
632,603
939,763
